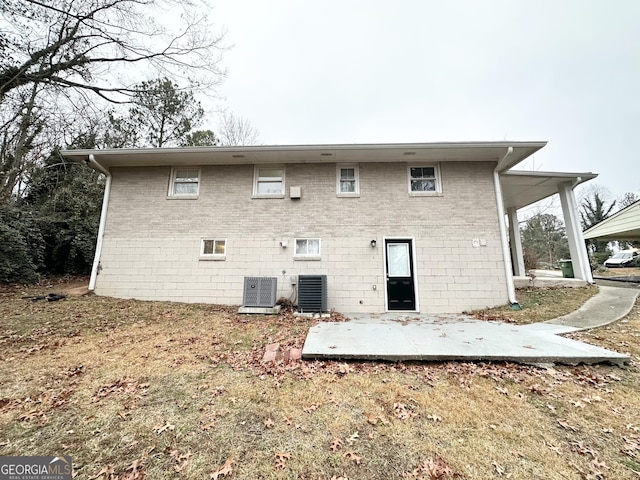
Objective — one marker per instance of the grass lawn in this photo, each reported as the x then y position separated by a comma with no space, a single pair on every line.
539,304
164,390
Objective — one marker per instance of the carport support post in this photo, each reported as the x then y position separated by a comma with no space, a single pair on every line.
577,247
517,257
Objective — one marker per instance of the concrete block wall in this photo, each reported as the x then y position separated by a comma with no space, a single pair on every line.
151,246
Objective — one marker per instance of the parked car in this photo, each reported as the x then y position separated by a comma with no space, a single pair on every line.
624,258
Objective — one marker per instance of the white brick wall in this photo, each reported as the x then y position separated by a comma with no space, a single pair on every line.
152,243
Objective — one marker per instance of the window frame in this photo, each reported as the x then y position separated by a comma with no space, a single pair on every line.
307,256
172,183
437,179
213,256
356,174
256,181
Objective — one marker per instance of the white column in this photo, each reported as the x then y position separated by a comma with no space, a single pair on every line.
577,247
517,257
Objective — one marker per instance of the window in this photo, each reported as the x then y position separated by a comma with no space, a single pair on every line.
424,180
185,182
308,248
269,181
214,249
348,182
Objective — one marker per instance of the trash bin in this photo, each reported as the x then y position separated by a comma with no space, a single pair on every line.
567,268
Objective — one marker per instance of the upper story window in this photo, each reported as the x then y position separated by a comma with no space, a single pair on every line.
424,180
268,181
348,181
185,182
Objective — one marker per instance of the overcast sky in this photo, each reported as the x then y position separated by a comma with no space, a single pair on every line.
372,71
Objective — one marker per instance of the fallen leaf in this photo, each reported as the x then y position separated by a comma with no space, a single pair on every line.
552,447
434,418
136,471
281,460
163,428
269,423
400,411
566,426
539,389
351,440
503,391
431,469
182,459
225,469
312,408
107,471
336,444
500,470
351,455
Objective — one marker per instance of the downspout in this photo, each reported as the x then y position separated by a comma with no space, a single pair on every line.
91,161
511,289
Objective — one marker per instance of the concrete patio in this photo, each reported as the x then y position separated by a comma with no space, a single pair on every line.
403,337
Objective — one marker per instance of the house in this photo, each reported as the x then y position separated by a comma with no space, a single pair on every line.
622,225
409,227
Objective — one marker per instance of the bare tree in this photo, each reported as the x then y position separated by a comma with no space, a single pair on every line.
236,131
627,199
61,60
75,43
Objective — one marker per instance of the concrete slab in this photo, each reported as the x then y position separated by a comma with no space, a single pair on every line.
260,310
448,339
401,337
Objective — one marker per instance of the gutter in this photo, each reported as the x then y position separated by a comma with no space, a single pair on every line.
511,289
91,161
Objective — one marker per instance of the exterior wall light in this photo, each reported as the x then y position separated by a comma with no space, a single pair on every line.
373,243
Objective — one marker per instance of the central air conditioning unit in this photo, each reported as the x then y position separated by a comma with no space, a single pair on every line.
259,291
312,293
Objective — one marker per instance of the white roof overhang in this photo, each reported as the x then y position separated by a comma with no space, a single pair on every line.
622,225
522,188
365,153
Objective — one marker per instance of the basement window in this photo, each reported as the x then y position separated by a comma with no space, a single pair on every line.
185,183
213,249
307,249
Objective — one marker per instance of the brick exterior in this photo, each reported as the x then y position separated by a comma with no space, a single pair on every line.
151,246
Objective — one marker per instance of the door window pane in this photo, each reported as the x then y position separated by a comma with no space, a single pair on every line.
398,260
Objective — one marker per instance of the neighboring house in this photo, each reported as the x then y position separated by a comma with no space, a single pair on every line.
410,227
622,225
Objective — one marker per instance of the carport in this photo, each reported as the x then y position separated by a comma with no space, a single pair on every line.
523,188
